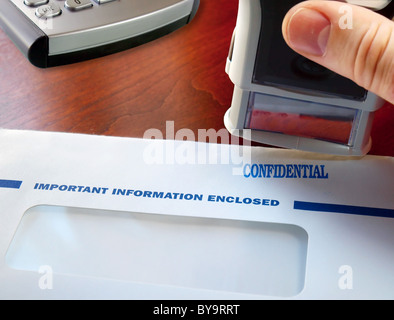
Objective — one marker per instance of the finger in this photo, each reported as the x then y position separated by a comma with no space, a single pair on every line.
350,40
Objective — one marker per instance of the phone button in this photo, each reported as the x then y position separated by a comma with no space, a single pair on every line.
48,11
75,5
35,3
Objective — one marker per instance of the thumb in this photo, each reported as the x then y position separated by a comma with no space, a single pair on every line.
352,41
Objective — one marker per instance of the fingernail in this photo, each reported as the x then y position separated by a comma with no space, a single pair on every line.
308,31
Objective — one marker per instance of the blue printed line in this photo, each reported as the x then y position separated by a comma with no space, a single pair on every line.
12,184
339,208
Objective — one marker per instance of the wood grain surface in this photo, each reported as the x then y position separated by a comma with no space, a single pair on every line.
178,78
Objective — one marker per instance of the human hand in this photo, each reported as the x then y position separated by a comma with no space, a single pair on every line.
352,41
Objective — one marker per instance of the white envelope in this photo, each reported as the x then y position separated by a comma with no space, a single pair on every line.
95,217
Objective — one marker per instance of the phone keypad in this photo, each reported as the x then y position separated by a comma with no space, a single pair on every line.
46,9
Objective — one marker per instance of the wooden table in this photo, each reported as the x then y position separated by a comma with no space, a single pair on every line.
178,78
